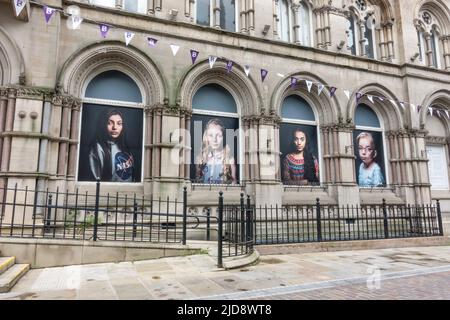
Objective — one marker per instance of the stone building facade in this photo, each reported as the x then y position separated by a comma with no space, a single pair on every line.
379,50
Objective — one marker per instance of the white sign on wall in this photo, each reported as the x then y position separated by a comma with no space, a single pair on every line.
437,167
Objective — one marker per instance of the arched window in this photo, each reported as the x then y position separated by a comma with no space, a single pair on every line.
351,35
305,24
299,145
214,137
437,149
431,27
283,20
369,148
111,135
224,16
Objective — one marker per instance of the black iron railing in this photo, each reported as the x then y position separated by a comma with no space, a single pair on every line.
78,215
320,223
235,229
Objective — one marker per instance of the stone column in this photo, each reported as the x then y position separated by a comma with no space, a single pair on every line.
251,15
243,16
327,29
119,4
188,149
216,14
319,30
147,167
150,6
296,24
275,17
3,105
64,138
390,41
383,45
429,50
446,49
9,125
73,142
362,41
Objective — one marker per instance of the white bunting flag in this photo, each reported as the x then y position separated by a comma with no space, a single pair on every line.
370,98
413,107
175,49
76,22
128,37
402,104
431,110
280,75
381,99
446,113
393,102
309,85
19,5
212,61
347,94
247,70
320,88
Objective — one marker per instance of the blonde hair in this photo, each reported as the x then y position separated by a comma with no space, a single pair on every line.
372,143
202,158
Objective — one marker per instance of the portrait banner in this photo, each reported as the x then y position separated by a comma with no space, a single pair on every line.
215,150
110,144
299,154
369,153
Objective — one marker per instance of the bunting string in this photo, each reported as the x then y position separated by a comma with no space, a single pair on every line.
129,36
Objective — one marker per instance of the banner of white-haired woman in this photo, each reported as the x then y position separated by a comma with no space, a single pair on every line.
299,154
111,144
215,145
369,153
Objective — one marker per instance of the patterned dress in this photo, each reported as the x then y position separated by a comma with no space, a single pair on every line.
294,170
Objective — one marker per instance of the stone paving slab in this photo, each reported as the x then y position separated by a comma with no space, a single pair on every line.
197,277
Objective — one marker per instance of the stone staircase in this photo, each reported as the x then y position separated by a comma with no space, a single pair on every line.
10,273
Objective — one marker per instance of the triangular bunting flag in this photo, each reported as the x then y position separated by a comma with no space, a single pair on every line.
402,104
194,55
294,81
19,5
264,73
309,85
76,22
431,110
104,30
247,70
381,99
393,102
48,12
229,66
128,37
447,114
332,91
212,61
419,108
152,42
370,98
320,88
174,49
280,75
347,94
359,95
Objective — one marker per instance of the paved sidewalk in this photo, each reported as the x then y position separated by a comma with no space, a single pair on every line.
327,275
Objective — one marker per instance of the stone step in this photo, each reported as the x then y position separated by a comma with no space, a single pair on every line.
9,278
6,263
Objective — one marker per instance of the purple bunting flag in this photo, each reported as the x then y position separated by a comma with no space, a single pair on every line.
48,12
358,96
294,81
229,66
104,30
152,42
194,55
419,108
264,73
332,91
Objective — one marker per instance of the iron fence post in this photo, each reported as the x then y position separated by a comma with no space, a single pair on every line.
208,224
220,231
242,222
184,215
97,199
249,239
439,214
385,220
319,221
49,213
135,218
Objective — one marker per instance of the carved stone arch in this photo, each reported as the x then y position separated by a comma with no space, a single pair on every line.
100,57
326,109
392,116
441,98
440,12
12,63
242,88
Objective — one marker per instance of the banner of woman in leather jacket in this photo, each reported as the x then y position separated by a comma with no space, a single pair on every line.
110,144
